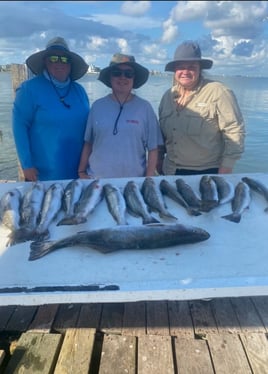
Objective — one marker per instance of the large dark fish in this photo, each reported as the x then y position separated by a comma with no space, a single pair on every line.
116,203
154,199
171,191
136,204
225,189
90,197
125,237
240,202
188,194
51,206
257,186
30,211
71,196
209,193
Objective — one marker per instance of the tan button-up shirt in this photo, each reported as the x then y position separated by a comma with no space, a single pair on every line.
208,132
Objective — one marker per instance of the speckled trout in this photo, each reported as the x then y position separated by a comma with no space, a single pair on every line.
125,237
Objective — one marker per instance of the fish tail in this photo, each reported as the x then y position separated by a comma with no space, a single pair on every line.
72,220
193,212
167,215
41,236
39,249
233,217
148,220
19,236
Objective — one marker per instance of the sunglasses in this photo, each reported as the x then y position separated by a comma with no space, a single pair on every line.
63,59
126,73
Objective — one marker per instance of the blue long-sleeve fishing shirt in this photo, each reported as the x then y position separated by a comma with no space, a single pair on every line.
48,135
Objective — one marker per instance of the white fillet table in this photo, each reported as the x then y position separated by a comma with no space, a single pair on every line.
233,262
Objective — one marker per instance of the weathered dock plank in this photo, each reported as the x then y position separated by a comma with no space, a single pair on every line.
5,315
155,355
180,321
225,316
118,355
192,356
89,316
21,318
261,304
35,353
256,347
66,317
134,320
76,351
247,315
227,354
112,318
44,318
157,318
203,318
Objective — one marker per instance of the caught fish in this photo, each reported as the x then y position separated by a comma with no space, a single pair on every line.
90,197
225,189
71,196
30,211
124,237
171,191
116,203
10,212
188,194
209,193
257,186
136,204
240,202
51,206
154,198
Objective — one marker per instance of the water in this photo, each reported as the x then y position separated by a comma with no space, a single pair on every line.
252,95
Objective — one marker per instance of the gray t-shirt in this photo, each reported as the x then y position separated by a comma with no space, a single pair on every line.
123,154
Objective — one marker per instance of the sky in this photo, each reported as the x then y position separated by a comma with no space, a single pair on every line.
234,34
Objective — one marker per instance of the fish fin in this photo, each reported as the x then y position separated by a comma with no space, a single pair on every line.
71,220
149,220
39,249
233,217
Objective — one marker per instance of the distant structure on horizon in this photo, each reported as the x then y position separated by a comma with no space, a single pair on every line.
93,69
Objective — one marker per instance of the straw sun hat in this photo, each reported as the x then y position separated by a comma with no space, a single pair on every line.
188,51
141,73
35,62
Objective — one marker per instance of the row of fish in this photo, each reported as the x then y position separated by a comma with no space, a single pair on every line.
29,216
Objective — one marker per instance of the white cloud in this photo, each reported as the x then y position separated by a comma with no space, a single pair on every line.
135,8
170,31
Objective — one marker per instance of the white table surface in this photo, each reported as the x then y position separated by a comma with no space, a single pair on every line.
232,262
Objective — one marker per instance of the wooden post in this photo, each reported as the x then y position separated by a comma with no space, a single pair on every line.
18,74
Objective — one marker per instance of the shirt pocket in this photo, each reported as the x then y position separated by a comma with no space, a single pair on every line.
201,121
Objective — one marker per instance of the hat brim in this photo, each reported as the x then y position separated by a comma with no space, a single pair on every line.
204,63
36,63
141,74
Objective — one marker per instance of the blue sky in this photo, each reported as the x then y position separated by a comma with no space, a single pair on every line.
234,34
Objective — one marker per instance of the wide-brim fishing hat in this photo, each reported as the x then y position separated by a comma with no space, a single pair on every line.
188,51
141,73
36,62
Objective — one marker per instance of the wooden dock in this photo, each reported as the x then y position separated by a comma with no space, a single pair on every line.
223,336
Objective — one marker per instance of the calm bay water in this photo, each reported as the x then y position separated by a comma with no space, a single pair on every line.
252,95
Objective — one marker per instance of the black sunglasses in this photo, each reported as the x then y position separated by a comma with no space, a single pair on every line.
55,59
126,73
